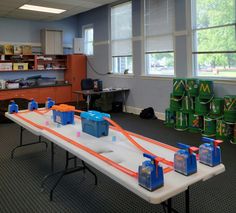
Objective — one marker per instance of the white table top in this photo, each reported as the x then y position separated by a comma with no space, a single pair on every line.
122,152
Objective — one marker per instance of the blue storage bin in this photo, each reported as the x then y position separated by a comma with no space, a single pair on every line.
63,118
94,124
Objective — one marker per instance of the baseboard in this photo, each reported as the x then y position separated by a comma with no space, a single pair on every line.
136,111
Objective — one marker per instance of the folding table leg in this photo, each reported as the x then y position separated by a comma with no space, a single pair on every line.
187,201
28,144
64,172
169,205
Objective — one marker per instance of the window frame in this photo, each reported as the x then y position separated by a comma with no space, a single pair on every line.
192,61
84,28
144,52
110,40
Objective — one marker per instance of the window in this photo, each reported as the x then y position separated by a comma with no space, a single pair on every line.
158,31
214,44
88,40
121,38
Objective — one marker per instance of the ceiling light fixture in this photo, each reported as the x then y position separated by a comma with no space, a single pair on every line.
41,9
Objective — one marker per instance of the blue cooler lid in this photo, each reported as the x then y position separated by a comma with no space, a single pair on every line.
94,115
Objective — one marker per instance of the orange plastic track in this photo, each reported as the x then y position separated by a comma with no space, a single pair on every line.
86,149
149,140
162,160
118,128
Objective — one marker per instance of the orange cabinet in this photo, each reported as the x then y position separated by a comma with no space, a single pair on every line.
63,94
60,94
21,93
44,93
76,71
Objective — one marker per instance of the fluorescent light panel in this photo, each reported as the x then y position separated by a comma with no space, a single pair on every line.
41,9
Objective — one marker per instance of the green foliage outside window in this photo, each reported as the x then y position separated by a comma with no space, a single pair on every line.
214,43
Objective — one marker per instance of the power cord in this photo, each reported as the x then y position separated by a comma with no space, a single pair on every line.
90,65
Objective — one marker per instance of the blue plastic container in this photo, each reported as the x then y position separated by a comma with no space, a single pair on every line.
150,174
210,153
63,118
32,105
49,103
94,124
185,163
12,107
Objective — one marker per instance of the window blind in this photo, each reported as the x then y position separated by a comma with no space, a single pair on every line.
121,29
88,41
159,25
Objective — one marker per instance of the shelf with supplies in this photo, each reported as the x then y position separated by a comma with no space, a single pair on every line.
33,62
67,68
29,70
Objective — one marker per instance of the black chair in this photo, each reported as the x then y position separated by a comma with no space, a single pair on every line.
87,84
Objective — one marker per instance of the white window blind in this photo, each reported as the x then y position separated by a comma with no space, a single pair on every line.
121,30
88,41
159,25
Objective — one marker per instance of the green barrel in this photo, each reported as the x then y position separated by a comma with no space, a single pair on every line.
169,118
217,107
201,108
234,136
209,127
181,122
175,103
206,89
195,123
192,87
188,104
230,108
224,131
178,87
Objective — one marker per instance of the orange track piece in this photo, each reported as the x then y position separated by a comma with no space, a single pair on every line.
134,142
110,162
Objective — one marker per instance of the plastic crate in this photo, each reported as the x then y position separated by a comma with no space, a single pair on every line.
63,118
94,124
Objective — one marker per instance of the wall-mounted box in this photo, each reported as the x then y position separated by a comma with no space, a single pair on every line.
5,66
20,66
26,49
7,49
78,45
52,42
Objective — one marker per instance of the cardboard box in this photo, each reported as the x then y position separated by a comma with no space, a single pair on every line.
7,49
17,49
26,50
20,66
5,66
13,85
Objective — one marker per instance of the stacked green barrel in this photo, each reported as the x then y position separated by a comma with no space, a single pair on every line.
230,116
195,119
194,107
175,117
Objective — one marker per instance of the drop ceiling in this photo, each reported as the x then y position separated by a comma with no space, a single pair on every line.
9,8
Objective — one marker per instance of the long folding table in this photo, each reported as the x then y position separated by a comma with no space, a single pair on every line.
117,159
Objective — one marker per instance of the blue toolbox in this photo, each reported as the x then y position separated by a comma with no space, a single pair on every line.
150,174
49,103
63,114
94,124
12,107
210,152
32,105
185,161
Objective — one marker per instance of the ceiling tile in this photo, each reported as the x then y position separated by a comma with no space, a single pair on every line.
57,5
9,8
